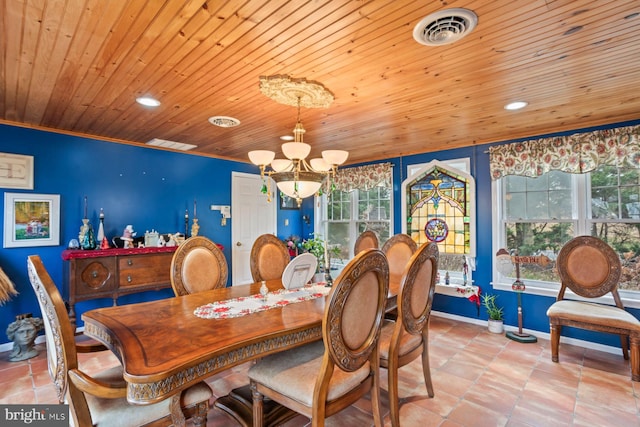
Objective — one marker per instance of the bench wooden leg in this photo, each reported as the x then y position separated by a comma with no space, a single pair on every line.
635,357
555,341
624,343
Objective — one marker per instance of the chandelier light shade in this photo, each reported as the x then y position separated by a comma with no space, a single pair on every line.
294,176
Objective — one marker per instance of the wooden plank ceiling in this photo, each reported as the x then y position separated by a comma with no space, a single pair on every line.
77,66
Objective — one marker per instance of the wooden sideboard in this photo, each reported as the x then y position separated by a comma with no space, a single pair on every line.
110,273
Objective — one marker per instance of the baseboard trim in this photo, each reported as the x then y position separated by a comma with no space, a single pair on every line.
545,335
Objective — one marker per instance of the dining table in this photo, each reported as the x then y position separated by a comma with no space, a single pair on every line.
164,347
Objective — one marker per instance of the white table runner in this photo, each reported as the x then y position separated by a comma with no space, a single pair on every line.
241,306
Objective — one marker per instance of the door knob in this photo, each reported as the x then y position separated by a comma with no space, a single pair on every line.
238,244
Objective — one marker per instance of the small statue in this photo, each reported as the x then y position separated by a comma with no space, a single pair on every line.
195,227
127,236
465,270
23,333
104,244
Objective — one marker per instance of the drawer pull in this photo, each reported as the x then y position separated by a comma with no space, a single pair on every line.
129,278
94,274
130,262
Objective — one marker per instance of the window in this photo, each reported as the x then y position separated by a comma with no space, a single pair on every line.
537,216
362,200
438,206
349,213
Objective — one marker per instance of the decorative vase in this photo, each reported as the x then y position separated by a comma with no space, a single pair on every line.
88,240
264,291
496,326
327,278
100,235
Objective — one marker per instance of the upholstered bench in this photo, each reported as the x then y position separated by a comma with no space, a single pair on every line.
597,317
591,269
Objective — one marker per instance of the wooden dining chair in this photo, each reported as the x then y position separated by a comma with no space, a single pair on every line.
198,265
268,259
320,379
398,248
590,268
406,338
100,400
366,240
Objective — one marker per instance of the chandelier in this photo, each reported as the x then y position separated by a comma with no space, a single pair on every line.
294,176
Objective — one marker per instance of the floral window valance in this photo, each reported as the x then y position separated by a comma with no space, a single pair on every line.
578,153
364,177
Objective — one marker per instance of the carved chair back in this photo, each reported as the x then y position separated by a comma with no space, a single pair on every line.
355,310
366,240
198,265
398,249
269,257
589,267
59,335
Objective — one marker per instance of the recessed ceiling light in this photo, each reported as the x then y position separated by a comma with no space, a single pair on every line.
516,105
287,137
147,101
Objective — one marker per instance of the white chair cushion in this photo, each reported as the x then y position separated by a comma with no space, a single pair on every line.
293,373
597,314
408,342
103,410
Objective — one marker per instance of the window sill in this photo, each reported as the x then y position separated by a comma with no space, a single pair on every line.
629,301
454,290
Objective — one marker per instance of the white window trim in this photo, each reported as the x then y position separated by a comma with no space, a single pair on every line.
321,220
453,165
629,299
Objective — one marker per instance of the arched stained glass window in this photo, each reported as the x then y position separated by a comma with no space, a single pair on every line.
439,206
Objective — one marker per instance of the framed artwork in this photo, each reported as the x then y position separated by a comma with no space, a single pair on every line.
16,171
31,220
287,202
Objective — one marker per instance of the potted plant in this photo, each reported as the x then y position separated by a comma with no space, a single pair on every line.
316,247
496,314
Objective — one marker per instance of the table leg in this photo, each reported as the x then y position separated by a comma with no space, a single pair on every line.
238,404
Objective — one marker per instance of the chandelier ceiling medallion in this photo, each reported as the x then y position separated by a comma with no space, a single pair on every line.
294,176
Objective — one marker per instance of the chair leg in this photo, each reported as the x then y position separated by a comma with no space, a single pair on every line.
624,344
258,406
555,341
635,357
376,407
426,371
394,398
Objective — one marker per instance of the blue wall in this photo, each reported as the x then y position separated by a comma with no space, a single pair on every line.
148,188
152,189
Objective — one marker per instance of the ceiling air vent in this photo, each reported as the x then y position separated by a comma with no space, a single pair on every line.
445,26
224,121
164,143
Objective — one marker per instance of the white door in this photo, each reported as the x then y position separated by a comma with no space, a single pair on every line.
252,216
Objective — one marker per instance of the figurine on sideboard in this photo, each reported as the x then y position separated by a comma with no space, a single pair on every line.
127,236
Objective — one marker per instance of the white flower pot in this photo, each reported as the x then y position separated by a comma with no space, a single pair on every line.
496,326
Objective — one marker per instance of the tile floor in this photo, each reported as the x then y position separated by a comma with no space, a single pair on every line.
480,379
